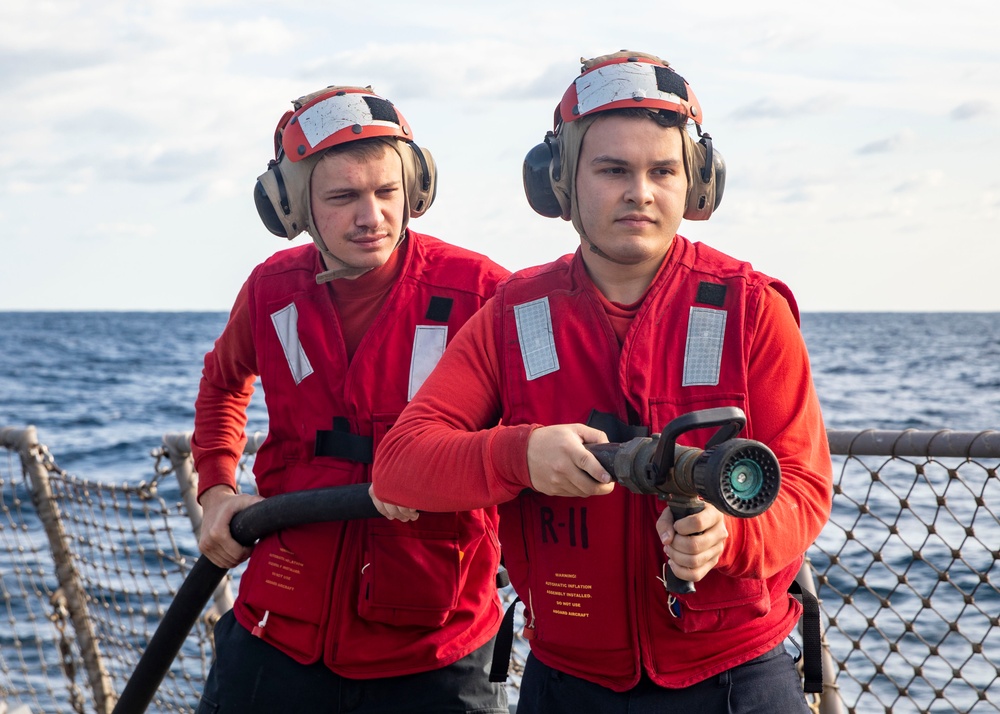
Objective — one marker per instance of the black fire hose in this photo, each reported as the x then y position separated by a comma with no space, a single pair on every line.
339,503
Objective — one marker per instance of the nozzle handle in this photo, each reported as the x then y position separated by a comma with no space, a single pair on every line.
730,421
681,508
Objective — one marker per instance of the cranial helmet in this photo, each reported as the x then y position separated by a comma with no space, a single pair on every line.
618,81
323,119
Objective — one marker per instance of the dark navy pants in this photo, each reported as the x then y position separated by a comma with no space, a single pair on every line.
250,676
765,685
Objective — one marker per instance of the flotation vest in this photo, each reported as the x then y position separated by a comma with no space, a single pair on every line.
370,598
590,571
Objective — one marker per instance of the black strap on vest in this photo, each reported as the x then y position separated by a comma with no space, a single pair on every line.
502,579
812,646
504,645
439,309
617,430
342,444
711,294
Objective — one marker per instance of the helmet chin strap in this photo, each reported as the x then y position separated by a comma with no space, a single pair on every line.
348,271
597,251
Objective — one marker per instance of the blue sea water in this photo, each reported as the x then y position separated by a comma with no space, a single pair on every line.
103,387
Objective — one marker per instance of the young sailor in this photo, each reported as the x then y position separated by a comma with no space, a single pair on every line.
639,326
364,616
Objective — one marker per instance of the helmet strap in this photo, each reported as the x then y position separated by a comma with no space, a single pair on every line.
348,271
597,251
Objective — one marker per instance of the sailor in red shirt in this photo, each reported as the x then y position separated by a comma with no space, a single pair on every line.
380,615
641,326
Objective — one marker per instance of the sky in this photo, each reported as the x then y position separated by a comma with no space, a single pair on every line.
861,138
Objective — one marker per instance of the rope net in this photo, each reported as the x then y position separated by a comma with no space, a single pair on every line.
905,571
129,550
36,641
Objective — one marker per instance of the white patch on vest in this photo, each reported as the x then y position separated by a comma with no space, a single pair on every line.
286,324
428,346
703,353
535,335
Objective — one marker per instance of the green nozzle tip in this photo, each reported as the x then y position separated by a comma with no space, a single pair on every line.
746,478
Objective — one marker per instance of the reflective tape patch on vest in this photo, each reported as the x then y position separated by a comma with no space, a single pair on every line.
428,346
286,324
535,335
703,352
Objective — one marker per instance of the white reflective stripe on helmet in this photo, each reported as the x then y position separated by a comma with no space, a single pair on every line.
617,82
325,118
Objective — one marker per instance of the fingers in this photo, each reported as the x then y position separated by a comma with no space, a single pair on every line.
219,505
695,543
559,465
665,526
393,513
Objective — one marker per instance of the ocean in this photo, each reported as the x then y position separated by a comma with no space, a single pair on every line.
102,388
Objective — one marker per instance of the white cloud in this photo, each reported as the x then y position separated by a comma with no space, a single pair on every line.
769,108
972,109
888,144
931,178
122,230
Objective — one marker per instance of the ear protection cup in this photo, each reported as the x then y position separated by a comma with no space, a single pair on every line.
266,212
266,207
536,172
420,175
706,178
282,196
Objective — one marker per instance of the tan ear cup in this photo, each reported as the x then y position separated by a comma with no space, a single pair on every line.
567,155
282,196
703,196
419,175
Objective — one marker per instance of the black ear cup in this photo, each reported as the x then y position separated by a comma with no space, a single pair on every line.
720,177
271,195
265,209
541,166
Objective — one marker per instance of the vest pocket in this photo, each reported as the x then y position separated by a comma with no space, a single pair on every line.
287,579
410,578
721,603
664,411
